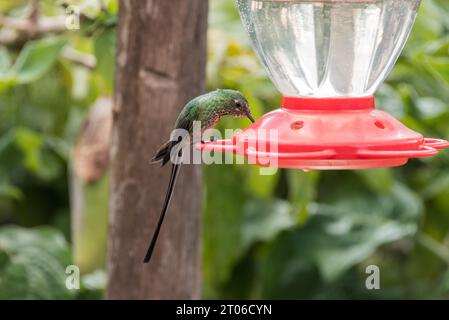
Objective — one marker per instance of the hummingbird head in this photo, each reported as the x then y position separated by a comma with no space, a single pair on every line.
238,105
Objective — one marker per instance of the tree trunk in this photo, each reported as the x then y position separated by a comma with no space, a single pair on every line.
161,57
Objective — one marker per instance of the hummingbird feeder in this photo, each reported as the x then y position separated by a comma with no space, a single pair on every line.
327,58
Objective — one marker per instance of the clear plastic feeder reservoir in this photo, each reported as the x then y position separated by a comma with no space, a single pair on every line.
327,58
328,48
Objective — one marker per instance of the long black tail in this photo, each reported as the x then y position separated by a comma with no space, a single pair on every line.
168,196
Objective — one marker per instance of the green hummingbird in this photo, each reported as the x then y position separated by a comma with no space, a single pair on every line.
208,109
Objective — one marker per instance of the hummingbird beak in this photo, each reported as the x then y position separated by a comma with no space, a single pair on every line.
248,114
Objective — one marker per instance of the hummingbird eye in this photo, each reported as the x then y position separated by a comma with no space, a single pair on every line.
238,104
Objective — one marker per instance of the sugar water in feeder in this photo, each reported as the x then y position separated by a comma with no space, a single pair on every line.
328,48
327,58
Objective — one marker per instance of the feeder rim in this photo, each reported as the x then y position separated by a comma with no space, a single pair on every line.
328,104
333,1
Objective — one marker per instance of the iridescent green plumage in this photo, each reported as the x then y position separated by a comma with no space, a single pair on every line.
208,109
211,107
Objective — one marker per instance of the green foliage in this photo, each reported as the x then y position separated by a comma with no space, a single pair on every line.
104,48
33,263
44,95
35,59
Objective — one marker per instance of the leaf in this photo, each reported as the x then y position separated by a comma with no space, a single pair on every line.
5,60
263,220
29,143
428,26
439,185
36,59
380,180
301,191
38,156
5,6
340,233
112,6
33,264
389,100
261,185
104,47
439,67
430,107
46,103
9,191
225,196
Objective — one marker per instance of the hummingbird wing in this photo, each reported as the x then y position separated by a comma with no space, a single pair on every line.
164,152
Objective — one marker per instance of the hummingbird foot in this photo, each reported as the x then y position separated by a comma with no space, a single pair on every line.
212,139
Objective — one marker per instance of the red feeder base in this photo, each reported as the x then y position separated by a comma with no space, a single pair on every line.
328,134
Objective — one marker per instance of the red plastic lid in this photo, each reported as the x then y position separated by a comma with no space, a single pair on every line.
332,133
328,104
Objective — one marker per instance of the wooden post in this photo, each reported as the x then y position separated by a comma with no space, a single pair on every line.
161,58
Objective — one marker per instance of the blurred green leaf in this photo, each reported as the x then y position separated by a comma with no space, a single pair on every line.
29,143
8,190
301,191
6,5
378,180
225,196
439,185
33,264
341,232
36,59
5,60
104,47
261,185
112,6
263,220
36,155
431,108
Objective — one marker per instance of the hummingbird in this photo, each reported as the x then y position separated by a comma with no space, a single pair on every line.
208,109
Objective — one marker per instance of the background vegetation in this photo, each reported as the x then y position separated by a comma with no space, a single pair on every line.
292,235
